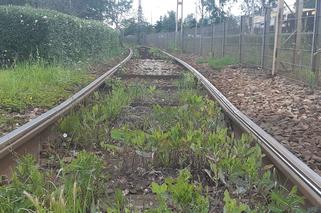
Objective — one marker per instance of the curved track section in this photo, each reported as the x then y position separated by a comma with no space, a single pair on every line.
14,140
299,173
293,168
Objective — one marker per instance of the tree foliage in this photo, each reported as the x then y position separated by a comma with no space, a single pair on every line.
36,33
110,10
190,21
166,23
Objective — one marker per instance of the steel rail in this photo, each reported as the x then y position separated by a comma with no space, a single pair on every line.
308,181
21,135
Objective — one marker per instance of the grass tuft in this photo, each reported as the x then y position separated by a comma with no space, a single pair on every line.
37,85
220,63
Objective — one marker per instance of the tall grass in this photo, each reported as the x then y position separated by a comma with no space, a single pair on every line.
37,85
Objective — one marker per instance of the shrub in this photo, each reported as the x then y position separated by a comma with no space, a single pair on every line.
36,33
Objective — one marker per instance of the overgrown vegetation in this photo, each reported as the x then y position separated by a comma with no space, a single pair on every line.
217,63
91,125
32,190
191,139
220,63
27,33
37,85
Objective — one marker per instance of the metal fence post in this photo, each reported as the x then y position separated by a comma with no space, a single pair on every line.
212,41
277,36
241,39
224,37
315,57
298,34
266,30
201,39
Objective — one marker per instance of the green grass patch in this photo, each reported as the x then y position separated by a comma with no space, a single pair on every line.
202,60
38,85
220,63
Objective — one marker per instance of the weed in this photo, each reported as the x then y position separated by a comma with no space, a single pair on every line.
283,201
202,60
79,190
187,82
186,196
231,205
91,125
220,63
156,54
83,176
37,85
26,178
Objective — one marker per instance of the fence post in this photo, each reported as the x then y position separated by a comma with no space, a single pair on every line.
212,41
241,39
224,37
277,36
298,34
315,57
266,30
201,39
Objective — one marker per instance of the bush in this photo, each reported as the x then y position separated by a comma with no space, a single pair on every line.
36,33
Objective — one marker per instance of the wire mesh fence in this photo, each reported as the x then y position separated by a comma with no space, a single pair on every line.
251,41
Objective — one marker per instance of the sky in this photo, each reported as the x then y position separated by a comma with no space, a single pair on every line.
153,9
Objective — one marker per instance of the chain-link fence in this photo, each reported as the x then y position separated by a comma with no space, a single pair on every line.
251,41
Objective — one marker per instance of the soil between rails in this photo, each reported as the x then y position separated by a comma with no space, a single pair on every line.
290,112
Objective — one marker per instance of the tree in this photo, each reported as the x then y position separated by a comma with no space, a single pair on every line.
115,11
190,21
166,23
110,10
250,7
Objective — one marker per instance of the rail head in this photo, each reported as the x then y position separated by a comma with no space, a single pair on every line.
23,134
308,181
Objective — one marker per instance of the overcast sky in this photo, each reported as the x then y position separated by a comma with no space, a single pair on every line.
153,9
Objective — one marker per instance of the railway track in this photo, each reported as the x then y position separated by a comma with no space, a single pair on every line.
160,78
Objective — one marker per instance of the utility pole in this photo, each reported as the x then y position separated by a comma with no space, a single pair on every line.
140,22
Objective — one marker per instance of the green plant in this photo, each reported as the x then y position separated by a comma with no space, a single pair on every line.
186,196
283,201
187,82
38,85
36,33
220,63
91,125
26,178
231,205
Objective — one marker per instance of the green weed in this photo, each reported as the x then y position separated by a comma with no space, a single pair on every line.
187,197
202,60
220,63
37,85
26,178
79,188
283,201
231,205
90,126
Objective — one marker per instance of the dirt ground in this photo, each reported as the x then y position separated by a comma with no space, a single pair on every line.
287,110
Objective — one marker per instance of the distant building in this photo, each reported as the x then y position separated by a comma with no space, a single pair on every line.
289,20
